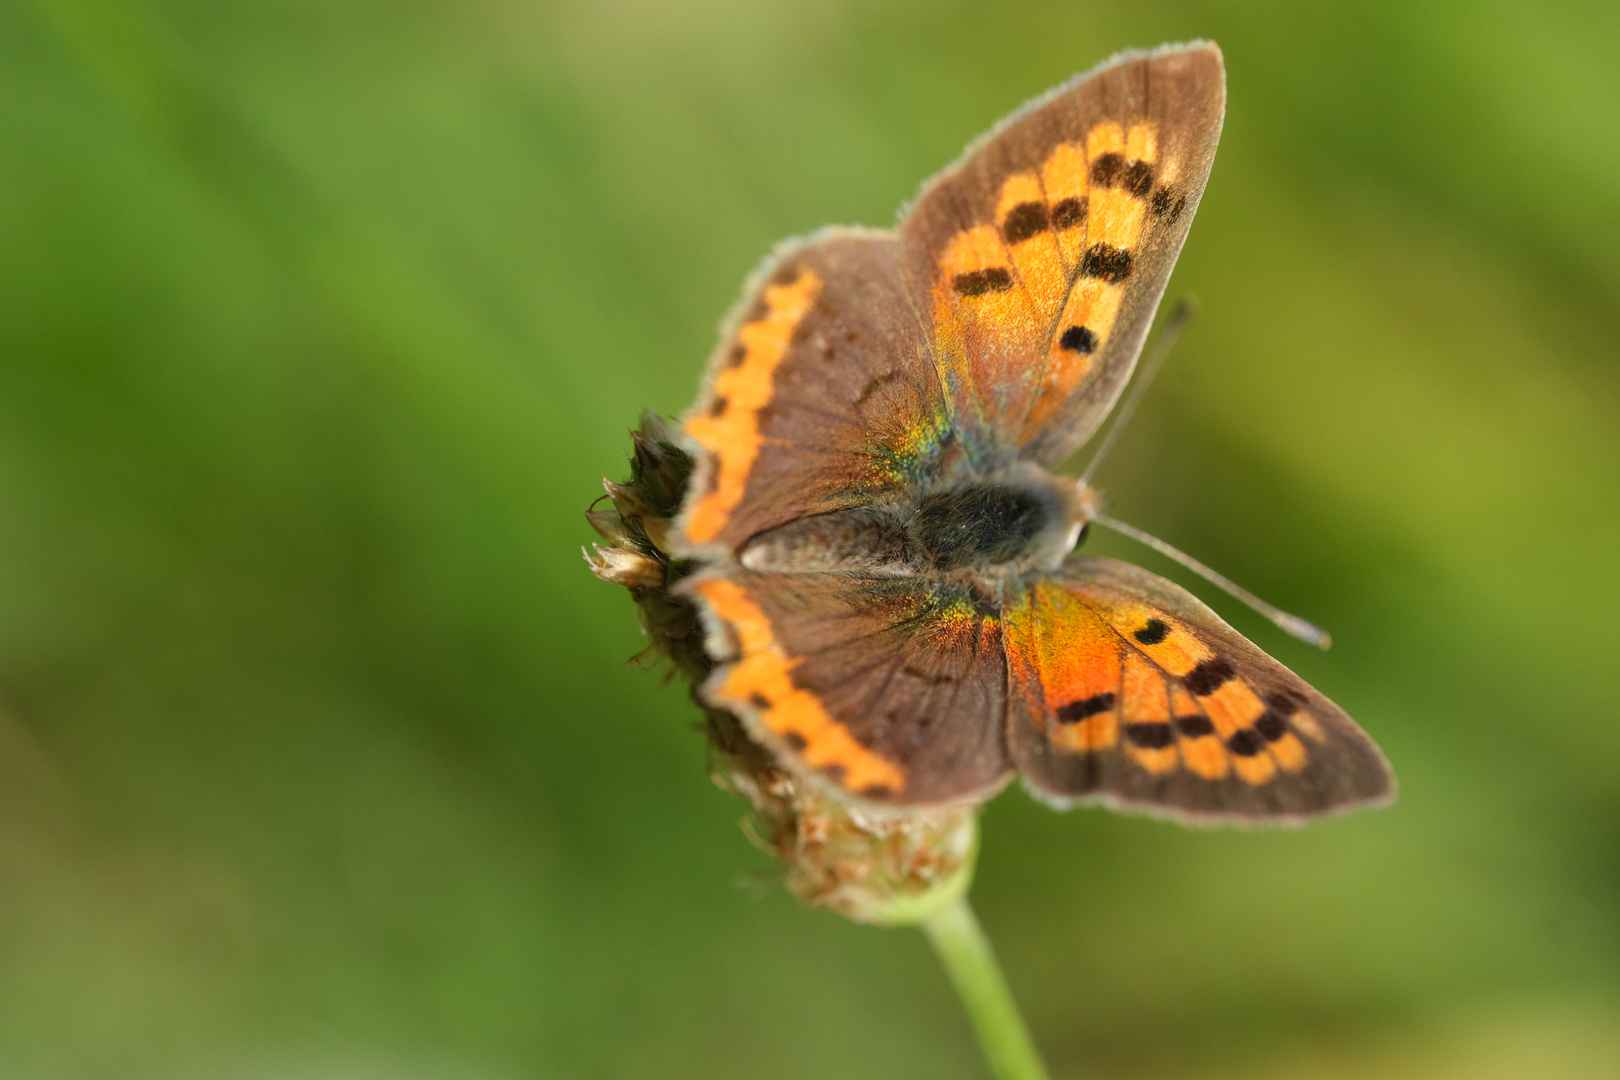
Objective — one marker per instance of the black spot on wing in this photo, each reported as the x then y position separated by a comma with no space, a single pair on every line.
1154,632
1245,743
1068,213
1107,169
1076,711
1166,204
1107,262
1285,701
979,282
1271,726
1209,676
1195,726
1138,178
1024,221
1151,736
1079,339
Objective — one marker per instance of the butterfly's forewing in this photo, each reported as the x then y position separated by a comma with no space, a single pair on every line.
1039,258
1125,689
820,396
894,689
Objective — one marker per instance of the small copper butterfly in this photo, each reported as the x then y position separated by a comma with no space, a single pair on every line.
885,562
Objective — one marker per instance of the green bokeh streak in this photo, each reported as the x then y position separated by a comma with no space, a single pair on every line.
318,324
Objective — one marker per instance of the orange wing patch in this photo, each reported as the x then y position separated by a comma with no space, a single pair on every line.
1026,227
983,317
730,430
1119,696
1117,170
1074,660
1220,720
760,682
1231,707
1306,724
1289,752
1052,272
977,288
1202,750
1145,704
1063,181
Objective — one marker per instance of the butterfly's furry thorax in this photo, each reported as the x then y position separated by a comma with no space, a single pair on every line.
992,526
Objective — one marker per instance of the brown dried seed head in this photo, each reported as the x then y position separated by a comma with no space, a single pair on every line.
609,525
624,566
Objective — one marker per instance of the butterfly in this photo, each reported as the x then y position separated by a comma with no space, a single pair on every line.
884,560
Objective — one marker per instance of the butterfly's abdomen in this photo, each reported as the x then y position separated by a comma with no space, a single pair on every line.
869,540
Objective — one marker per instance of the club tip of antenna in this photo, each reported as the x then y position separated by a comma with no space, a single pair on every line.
1308,632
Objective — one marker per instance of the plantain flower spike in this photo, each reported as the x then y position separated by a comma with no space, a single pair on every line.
870,864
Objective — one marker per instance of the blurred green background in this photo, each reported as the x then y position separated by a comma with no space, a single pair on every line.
319,323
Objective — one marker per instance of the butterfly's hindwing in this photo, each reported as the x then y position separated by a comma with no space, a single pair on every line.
894,689
1126,689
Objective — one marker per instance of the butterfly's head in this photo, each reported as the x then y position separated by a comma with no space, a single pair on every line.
1079,504
1087,503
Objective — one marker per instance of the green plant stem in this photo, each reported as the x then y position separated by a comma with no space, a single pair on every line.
957,937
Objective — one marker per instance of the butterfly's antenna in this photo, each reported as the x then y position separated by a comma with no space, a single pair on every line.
1293,625
1186,308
